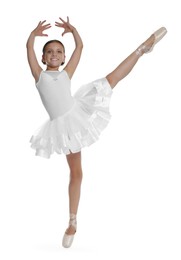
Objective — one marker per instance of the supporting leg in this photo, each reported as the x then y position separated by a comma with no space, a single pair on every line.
74,162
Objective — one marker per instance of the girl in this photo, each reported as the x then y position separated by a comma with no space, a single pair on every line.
75,122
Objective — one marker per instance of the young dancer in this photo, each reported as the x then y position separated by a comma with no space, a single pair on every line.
75,121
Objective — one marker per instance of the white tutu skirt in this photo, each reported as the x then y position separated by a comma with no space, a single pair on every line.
80,126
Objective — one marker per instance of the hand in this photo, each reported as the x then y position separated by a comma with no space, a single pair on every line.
66,25
38,31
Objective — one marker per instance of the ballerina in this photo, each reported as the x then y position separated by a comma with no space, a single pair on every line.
74,121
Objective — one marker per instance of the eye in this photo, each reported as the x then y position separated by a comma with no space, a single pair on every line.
49,51
59,51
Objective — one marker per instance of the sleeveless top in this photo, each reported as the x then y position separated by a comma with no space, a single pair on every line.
55,91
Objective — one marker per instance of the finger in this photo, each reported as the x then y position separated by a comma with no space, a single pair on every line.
43,22
47,25
59,24
67,19
63,33
62,20
47,28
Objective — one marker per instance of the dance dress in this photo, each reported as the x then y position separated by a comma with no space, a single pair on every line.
74,121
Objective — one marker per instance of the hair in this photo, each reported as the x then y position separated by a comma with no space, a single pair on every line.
51,41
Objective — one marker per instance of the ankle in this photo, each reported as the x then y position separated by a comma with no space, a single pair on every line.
140,50
72,225
73,220
146,46
73,216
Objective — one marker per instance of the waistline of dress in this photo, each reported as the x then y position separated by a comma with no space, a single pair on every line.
66,113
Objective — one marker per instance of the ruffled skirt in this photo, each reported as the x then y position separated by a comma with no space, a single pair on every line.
80,126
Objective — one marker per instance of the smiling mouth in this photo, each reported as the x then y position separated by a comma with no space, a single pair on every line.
54,59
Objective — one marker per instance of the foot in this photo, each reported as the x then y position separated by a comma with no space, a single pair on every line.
148,45
70,232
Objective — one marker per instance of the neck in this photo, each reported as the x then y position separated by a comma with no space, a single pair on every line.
53,69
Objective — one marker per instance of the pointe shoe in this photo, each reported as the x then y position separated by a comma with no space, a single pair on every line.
68,239
158,35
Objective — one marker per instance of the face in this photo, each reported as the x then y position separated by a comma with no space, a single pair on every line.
54,55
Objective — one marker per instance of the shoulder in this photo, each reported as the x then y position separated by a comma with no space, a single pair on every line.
38,76
66,73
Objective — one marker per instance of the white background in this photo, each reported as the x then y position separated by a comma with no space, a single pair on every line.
130,204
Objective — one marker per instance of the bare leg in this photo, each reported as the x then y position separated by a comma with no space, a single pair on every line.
74,162
127,65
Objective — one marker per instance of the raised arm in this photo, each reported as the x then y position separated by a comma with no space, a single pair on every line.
75,57
38,31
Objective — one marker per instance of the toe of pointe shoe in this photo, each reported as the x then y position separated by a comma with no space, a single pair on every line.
159,34
67,240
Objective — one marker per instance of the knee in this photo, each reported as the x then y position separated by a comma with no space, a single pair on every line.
111,80
76,175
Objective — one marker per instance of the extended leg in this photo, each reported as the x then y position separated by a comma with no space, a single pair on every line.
127,65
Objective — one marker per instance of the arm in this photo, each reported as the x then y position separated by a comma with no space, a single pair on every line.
75,57
32,60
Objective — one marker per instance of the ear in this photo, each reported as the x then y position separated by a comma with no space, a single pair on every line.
63,62
43,59
64,59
